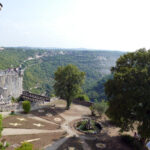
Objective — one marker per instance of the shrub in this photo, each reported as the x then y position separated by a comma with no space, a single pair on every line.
2,147
101,107
26,105
83,97
25,146
53,95
92,110
132,142
13,100
82,125
1,128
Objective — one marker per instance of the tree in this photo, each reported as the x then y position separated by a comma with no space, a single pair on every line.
68,82
128,93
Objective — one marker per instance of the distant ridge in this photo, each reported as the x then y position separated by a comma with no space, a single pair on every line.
67,49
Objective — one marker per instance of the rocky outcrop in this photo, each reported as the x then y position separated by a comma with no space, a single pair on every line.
10,84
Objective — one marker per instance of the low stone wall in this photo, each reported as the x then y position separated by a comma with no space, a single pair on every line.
84,103
9,107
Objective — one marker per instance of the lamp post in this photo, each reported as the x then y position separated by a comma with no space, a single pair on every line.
1,6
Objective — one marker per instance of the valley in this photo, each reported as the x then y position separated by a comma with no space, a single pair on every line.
39,66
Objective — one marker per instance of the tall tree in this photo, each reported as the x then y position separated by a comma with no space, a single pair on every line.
129,93
68,82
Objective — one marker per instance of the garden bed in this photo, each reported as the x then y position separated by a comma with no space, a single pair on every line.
48,114
39,141
19,121
82,126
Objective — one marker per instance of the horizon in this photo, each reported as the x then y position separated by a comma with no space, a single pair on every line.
63,48
91,24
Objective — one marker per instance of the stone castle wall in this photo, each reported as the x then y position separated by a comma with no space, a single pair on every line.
10,84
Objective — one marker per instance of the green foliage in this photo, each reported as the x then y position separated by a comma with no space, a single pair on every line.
83,97
14,100
1,127
2,147
128,92
26,105
25,146
39,74
13,57
97,91
68,82
92,110
82,125
53,95
100,107
132,142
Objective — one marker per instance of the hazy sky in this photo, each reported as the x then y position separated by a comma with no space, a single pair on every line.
99,24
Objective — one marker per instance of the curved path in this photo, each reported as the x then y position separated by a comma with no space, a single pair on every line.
75,112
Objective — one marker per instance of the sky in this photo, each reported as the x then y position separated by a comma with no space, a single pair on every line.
94,24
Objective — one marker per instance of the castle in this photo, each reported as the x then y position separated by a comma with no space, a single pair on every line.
10,84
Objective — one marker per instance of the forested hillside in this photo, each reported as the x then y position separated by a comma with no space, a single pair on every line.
40,66
14,57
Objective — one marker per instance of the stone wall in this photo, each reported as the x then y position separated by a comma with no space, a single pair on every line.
10,84
84,103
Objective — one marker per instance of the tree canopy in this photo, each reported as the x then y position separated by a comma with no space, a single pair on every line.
68,82
128,92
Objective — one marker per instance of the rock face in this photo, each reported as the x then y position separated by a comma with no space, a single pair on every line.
10,84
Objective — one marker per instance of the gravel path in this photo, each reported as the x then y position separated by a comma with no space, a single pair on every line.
55,145
76,112
41,119
12,131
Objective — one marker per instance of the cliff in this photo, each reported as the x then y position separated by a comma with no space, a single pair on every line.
10,84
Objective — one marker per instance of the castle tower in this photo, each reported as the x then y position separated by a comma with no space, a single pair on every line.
11,83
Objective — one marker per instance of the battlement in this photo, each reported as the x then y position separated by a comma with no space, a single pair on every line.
11,71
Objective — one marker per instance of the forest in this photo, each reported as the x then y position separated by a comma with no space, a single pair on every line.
40,64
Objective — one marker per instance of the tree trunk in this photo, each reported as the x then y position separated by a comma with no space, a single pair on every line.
68,104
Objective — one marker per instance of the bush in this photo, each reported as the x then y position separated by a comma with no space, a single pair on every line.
1,128
83,97
26,105
101,107
13,100
82,125
132,142
53,95
2,147
25,146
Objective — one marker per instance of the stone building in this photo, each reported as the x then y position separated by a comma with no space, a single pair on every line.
10,83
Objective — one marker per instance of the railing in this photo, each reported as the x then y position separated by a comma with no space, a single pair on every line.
34,97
